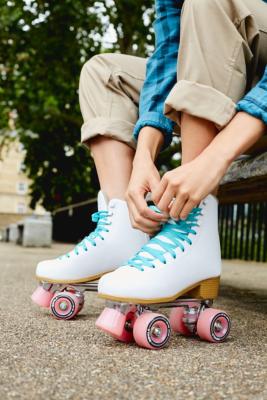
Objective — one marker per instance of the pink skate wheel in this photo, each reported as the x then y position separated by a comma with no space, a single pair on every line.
213,325
117,324
152,331
42,297
65,305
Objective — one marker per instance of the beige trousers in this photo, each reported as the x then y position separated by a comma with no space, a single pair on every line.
222,53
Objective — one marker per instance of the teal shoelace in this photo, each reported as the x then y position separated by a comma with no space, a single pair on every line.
101,218
172,236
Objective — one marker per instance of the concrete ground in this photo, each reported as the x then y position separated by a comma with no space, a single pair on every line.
42,358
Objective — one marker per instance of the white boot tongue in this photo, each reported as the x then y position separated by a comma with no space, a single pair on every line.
102,201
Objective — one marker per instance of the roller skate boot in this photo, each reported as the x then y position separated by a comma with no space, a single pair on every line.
180,269
64,280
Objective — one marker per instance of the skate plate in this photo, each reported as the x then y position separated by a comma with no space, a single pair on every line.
65,301
149,329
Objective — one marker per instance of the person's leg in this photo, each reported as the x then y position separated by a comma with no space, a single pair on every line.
205,133
217,60
113,160
109,95
229,55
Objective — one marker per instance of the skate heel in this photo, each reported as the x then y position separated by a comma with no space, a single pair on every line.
207,289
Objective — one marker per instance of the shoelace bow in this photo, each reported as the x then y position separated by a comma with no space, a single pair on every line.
101,218
175,232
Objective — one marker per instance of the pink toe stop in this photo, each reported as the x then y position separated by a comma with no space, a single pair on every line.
115,323
42,297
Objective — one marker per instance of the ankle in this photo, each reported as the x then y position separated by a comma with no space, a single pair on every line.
114,194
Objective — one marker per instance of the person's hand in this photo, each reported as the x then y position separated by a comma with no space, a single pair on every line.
144,179
182,189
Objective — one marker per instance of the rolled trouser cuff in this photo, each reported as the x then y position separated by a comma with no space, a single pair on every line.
200,101
114,128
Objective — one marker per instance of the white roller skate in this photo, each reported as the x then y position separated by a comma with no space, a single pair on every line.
180,269
63,280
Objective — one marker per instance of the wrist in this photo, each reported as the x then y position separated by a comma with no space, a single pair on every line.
143,156
150,141
236,138
215,160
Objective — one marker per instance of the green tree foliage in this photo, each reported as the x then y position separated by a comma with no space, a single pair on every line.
43,47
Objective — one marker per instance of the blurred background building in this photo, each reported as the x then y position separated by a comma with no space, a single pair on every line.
14,186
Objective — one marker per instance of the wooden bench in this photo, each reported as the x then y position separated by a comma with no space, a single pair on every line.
243,206
246,179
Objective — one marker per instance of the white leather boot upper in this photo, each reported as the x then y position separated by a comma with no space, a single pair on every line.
112,243
181,255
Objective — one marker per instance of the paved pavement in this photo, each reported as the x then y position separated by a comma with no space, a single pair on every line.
42,358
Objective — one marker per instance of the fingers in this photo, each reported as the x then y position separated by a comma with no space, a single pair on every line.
176,207
188,207
174,199
166,200
138,200
145,225
158,190
142,217
164,194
